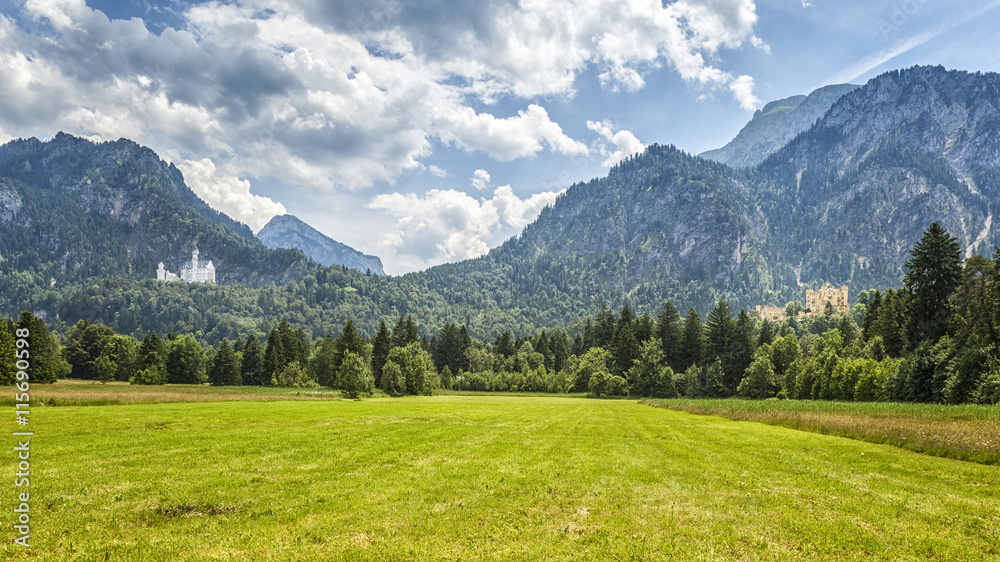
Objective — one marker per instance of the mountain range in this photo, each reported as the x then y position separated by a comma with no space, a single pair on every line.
775,124
841,201
288,231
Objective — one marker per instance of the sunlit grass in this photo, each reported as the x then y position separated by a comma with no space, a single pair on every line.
966,432
483,477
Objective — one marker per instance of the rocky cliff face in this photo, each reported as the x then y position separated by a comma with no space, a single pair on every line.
288,231
773,126
909,148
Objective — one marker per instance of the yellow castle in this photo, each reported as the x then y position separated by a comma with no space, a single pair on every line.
816,300
815,303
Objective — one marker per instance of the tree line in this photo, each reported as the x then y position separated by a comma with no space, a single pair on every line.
933,340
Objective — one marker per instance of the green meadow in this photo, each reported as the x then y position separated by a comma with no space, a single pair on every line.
481,477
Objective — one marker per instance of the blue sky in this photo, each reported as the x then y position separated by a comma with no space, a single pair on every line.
426,132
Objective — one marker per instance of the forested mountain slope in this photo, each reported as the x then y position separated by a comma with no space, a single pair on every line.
72,210
662,225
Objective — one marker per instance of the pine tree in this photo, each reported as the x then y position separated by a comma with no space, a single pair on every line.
671,334
934,273
624,345
449,350
692,351
643,327
45,360
890,324
973,309
744,346
152,360
300,347
720,337
405,332
542,346
871,316
505,345
560,351
225,369
274,357
589,337
380,351
766,335
604,327
350,341
252,364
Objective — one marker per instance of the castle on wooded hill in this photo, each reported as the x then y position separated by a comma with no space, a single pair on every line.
816,302
194,271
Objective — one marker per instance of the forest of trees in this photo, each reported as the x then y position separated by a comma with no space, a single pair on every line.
933,340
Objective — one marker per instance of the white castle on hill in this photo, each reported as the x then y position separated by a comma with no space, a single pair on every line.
193,271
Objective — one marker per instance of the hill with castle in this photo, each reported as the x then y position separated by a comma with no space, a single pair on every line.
195,271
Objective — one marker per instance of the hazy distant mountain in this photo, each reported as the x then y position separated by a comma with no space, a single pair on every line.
288,231
777,123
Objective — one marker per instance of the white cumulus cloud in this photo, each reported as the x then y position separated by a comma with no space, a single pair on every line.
624,141
439,172
448,225
480,180
227,193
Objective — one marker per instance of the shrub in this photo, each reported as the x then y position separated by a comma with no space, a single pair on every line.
151,375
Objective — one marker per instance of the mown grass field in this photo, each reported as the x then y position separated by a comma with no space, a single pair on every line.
482,477
966,432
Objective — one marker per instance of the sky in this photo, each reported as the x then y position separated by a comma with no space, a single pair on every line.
426,132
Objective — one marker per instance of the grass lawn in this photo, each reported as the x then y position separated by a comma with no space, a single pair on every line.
966,432
481,477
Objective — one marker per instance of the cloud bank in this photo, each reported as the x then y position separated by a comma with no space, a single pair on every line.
341,95
447,225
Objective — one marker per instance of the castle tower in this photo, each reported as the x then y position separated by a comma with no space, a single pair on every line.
161,273
194,258
816,300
